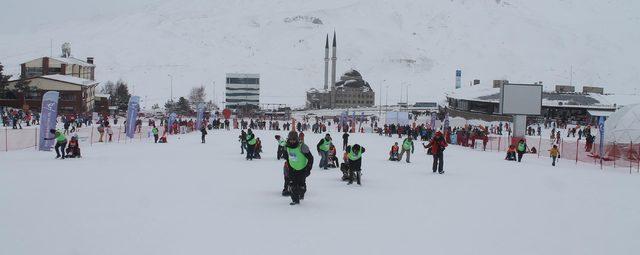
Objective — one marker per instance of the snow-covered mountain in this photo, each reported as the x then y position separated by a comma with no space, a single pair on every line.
392,43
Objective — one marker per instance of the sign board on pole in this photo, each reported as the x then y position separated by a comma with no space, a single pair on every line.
521,99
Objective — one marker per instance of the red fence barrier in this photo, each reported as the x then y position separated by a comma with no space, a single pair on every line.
615,155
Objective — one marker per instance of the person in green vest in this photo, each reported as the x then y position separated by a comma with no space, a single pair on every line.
251,144
61,142
354,155
281,144
521,149
323,149
154,131
299,162
407,146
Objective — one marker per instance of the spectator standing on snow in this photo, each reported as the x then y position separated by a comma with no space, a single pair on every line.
154,131
281,144
407,147
299,162
243,141
437,145
203,130
554,153
345,140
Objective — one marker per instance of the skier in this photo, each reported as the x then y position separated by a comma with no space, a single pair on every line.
323,149
393,154
299,162
61,142
437,145
203,130
407,146
354,154
554,153
345,140
521,149
251,144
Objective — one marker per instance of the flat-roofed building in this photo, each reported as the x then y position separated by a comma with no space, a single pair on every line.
242,91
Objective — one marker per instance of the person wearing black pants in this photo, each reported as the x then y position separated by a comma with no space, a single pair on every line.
437,146
203,130
251,144
438,162
61,143
345,140
299,162
354,154
521,149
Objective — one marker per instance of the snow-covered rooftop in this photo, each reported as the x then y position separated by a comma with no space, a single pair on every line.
549,98
72,61
70,79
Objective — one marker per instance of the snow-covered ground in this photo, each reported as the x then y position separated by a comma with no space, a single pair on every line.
190,198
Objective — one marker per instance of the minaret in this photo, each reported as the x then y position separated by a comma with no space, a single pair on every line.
326,64
333,63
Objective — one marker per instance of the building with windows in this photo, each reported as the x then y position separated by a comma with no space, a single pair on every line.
59,65
242,91
72,77
77,95
351,91
563,104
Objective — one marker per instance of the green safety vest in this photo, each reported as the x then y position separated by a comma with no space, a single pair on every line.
354,156
60,137
297,160
521,147
406,145
154,131
252,140
325,145
282,143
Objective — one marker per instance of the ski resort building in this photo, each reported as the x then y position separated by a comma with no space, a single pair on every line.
242,91
352,91
77,95
73,78
59,65
563,103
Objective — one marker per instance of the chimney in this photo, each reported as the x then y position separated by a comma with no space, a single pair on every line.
90,60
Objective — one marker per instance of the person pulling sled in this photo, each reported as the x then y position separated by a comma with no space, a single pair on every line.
354,154
299,162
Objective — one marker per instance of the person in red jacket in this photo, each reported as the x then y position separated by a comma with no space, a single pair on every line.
437,146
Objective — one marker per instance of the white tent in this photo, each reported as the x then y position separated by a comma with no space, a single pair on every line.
623,126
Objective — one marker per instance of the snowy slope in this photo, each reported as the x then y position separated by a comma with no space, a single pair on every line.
418,43
188,198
